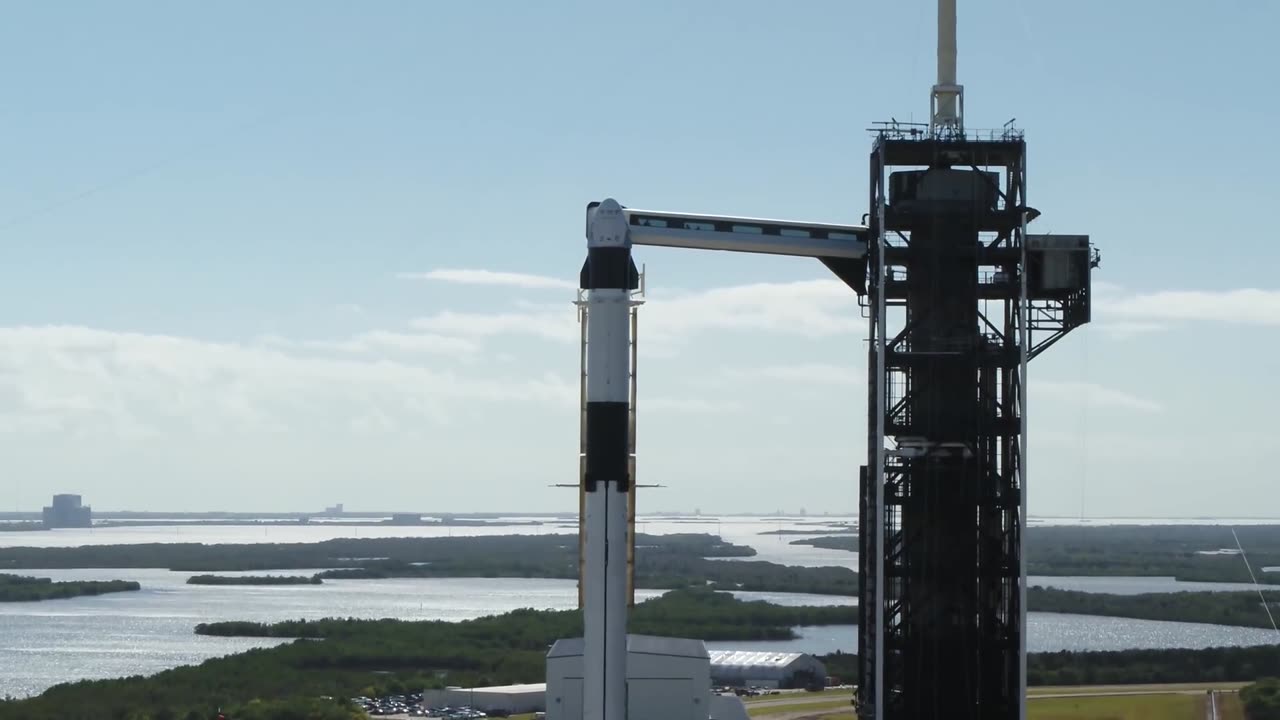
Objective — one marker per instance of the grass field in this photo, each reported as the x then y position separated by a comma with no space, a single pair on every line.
1120,707
1129,707
1155,689
834,704
1229,707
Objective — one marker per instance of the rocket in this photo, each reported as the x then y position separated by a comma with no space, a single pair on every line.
608,277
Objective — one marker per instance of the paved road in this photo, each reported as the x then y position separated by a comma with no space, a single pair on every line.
793,700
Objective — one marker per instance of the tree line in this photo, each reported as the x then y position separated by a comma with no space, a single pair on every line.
18,588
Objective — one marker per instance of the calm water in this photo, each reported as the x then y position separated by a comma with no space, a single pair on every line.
42,644
1048,632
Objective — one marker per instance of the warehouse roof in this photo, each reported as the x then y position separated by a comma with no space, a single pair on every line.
753,658
509,689
643,644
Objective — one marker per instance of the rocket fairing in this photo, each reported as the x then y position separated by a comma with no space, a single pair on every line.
608,277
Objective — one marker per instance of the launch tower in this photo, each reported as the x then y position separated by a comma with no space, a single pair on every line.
960,298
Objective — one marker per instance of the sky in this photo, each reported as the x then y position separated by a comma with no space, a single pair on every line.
274,256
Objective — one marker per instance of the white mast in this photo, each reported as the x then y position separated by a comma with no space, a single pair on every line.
947,100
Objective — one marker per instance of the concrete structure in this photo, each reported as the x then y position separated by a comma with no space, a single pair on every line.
747,668
511,699
728,707
67,512
667,679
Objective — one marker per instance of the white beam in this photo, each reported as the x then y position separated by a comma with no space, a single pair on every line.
745,234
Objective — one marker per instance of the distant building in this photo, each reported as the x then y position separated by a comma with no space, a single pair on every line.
406,519
333,509
740,668
67,512
499,700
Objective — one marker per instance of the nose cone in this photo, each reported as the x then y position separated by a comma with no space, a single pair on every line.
607,226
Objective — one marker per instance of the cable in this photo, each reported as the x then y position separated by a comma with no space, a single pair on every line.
1256,586
142,171
1084,423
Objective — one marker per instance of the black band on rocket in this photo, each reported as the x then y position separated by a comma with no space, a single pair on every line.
609,268
607,452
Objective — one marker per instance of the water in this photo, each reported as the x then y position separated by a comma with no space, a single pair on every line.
1125,585
144,632
1046,632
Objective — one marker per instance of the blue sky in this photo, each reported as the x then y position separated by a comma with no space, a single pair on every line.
251,249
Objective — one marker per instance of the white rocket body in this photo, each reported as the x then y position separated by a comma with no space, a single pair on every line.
608,279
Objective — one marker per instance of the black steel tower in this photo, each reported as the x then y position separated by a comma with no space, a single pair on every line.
961,298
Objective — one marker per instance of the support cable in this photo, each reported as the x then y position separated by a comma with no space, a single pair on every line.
1256,586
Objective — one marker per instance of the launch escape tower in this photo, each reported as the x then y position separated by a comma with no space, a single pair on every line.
960,298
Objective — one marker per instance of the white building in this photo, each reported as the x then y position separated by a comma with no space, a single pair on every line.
742,668
512,699
667,679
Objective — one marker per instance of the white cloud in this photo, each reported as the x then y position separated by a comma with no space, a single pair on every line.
645,405
814,373
1091,394
80,380
1125,329
810,308
1246,306
377,341
491,277
559,325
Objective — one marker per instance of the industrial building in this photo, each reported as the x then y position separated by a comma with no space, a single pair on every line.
67,512
667,679
510,699
746,668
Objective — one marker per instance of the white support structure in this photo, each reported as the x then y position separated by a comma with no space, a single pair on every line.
745,234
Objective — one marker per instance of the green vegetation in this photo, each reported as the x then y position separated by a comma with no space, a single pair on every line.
1219,608
1261,700
254,580
292,709
21,526
521,555
1135,550
1130,707
346,658
665,561
1162,550
1126,667
831,542
17,588
695,613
